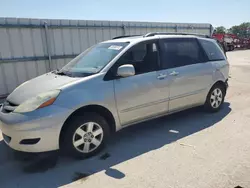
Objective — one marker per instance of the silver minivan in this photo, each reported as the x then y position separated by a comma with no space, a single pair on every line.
110,86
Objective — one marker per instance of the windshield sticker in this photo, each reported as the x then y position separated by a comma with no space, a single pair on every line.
114,47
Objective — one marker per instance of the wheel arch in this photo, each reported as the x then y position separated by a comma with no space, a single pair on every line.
104,112
219,82
207,105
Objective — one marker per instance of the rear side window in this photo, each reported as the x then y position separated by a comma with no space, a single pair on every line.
222,47
181,52
213,51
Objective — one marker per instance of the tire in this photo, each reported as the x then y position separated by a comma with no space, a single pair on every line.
215,98
85,135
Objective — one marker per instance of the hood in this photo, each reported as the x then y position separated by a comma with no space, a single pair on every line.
43,83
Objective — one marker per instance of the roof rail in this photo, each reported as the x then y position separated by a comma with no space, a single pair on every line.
169,33
124,36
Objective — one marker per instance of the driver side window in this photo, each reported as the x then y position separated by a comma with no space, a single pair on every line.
143,56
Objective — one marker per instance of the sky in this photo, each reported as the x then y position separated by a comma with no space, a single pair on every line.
215,12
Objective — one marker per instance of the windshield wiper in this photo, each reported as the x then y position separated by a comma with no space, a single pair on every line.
73,74
62,73
85,73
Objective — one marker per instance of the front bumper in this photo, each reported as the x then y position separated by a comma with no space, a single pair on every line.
36,131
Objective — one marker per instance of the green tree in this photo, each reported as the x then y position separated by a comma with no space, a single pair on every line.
220,30
242,30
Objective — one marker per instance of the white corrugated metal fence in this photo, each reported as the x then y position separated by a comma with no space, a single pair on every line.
31,47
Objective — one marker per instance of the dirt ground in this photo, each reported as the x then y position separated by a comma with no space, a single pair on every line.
191,149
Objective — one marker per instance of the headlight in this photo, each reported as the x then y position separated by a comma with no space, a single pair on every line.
40,101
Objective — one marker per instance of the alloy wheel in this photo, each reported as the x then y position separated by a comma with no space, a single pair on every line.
88,137
216,98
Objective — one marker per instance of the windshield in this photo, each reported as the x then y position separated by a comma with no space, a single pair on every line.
93,59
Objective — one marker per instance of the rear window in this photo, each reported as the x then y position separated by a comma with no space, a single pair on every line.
213,51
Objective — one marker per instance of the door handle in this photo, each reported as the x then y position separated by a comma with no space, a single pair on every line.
161,76
173,73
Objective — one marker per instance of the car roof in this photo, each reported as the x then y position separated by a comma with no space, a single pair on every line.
150,36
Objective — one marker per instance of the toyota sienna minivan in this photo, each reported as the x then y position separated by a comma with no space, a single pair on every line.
112,85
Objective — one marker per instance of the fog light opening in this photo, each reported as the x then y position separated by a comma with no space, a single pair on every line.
30,141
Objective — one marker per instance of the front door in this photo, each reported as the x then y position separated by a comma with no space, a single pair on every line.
189,74
145,94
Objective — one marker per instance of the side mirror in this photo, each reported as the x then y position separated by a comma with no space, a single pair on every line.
126,70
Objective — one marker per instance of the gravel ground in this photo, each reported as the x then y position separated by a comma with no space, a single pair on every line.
191,149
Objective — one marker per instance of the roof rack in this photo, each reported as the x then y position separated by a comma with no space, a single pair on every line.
124,36
169,33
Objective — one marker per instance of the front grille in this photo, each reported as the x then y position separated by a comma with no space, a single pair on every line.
8,107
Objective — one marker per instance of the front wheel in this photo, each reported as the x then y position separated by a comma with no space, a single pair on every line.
215,98
85,135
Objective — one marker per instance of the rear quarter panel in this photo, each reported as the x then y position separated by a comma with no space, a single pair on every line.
221,70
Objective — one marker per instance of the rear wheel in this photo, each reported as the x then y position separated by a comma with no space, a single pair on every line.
215,98
85,135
